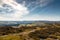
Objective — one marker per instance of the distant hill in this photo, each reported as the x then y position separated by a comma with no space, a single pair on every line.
4,23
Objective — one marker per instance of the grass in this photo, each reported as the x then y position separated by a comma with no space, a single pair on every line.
11,37
47,32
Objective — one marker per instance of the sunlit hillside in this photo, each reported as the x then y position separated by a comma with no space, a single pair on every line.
33,31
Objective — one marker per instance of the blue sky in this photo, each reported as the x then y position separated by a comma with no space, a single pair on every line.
21,10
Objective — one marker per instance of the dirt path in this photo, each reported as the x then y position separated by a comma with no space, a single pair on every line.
22,33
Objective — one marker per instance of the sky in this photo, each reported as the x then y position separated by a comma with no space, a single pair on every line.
29,10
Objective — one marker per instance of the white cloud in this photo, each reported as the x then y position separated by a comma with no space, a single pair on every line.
19,10
39,17
45,2
40,3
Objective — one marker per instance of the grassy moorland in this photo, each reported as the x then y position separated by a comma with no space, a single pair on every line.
40,31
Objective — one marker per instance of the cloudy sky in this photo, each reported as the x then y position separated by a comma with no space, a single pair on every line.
21,10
